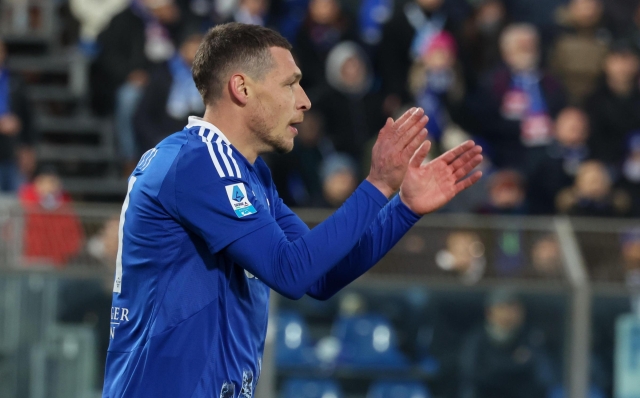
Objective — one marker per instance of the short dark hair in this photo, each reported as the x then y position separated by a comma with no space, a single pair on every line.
229,46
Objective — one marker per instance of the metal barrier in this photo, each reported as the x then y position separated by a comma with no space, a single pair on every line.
31,294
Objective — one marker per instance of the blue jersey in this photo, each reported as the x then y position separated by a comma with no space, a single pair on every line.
203,238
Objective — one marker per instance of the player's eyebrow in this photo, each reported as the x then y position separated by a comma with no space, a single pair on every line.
296,77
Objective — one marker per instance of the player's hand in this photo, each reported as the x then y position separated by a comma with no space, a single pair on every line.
396,143
429,186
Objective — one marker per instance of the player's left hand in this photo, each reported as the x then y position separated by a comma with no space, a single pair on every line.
428,186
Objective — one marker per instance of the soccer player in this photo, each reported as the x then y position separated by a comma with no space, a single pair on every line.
204,235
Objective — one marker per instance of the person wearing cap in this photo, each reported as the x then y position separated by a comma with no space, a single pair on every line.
502,358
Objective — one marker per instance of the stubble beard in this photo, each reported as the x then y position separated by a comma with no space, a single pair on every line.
266,135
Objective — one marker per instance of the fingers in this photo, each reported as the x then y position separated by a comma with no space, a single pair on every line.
452,154
420,154
404,117
419,138
465,157
467,182
406,131
467,167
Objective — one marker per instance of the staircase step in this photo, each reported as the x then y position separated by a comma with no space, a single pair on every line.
51,152
51,93
95,186
71,125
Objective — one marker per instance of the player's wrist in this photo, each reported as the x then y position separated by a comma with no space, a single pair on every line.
385,189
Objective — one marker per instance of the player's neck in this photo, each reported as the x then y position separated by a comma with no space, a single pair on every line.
231,125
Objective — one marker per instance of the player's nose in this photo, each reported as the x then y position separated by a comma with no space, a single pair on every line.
302,101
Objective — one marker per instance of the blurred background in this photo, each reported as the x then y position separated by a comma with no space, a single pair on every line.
526,285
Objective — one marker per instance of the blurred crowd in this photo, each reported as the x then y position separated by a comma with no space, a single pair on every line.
553,97
551,91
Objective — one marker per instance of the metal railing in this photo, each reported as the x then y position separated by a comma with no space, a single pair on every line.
410,264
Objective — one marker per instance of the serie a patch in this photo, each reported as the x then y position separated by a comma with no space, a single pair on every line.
237,194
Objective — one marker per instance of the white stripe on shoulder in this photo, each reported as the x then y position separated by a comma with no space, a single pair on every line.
235,164
213,155
224,156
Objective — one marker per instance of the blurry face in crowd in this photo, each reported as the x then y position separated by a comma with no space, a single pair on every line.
165,10
310,131
189,48
324,12
585,13
490,15
506,317
255,7
631,255
621,67
47,184
592,181
353,72
520,49
545,256
430,5
338,186
506,190
464,247
279,102
439,58
572,127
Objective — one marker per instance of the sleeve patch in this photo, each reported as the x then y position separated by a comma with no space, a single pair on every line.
237,194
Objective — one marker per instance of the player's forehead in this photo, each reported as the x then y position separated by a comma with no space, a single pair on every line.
285,65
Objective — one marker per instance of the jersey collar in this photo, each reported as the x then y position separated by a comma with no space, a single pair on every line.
195,121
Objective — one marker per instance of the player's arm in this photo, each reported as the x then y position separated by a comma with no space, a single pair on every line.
444,177
210,207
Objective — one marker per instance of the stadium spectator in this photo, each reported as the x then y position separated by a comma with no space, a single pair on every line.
630,173
463,256
592,194
480,38
253,12
507,193
17,157
94,16
136,37
324,27
553,167
52,231
437,85
545,258
517,101
339,175
579,52
351,107
412,25
614,109
297,174
169,98
504,358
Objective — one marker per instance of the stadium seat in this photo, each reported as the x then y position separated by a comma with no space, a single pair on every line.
310,388
368,342
293,348
398,389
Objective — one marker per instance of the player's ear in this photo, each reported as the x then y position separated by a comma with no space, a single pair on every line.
238,88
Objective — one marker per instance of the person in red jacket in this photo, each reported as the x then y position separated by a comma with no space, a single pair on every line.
52,230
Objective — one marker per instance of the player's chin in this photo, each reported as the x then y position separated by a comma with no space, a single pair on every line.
284,146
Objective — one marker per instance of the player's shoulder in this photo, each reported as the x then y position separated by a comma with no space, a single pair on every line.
209,154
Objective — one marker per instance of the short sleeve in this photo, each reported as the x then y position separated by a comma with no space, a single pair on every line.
220,210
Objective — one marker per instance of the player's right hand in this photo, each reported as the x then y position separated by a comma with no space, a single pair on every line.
396,144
